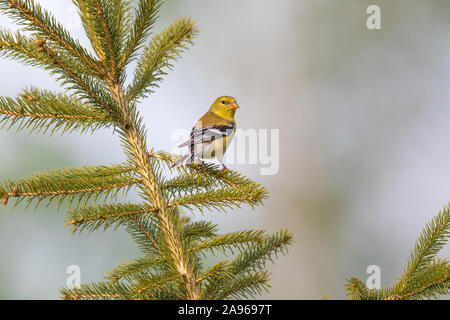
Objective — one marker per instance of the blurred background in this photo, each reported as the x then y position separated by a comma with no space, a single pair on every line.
363,118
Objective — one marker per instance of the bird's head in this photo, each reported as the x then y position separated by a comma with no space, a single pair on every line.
225,107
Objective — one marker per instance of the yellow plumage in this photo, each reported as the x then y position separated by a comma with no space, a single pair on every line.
212,133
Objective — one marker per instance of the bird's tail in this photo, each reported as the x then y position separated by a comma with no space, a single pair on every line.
184,160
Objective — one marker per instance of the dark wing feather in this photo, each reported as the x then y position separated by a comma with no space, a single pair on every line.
208,134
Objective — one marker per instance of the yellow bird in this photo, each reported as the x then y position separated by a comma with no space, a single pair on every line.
212,133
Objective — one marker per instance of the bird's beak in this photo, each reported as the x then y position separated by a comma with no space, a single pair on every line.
233,106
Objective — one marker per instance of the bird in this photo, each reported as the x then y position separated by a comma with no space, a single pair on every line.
211,134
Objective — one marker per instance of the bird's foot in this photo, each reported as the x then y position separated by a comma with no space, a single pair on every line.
224,168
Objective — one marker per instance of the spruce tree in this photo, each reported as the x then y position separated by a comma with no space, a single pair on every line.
425,275
94,96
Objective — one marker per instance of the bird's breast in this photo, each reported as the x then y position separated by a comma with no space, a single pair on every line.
216,148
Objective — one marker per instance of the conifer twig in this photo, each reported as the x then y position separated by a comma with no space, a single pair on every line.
173,246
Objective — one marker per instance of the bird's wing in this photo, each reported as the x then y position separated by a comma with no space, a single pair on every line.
208,134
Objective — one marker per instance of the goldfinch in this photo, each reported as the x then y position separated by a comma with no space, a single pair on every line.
212,133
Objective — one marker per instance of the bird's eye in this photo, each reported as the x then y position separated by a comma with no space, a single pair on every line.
223,101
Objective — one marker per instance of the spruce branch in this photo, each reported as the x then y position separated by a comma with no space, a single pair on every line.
31,50
109,29
135,269
255,257
165,48
81,84
36,52
41,110
228,178
99,290
244,286
431,281
40,22
425,275
70,184
91,14
106,25
186,184
144,18
232,240
159,286
212,171
357,290
430,242
221,269
92,218
220,199
145,233
200,230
